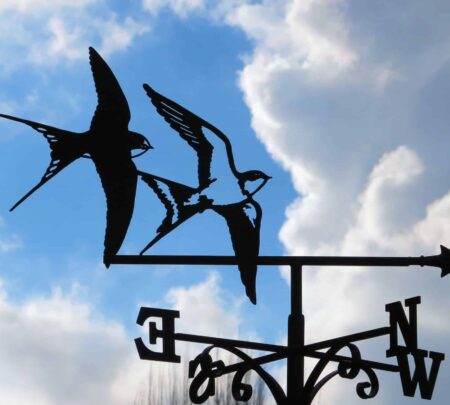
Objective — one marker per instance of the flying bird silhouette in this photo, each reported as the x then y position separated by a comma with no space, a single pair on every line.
109,143
229,193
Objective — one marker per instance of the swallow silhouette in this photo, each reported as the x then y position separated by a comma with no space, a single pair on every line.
109,143
229,194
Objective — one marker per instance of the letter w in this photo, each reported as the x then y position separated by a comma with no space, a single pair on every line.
425,382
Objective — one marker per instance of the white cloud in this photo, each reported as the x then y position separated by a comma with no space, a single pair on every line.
180,7
310,36
203,309
7,107
44,34
62,42
328,129
117,36
378,213
334,88
55,345
8,243
70,40
376,228
26,6
58,343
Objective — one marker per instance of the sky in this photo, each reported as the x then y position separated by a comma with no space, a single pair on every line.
344,103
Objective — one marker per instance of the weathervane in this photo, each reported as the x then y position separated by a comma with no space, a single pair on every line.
111,146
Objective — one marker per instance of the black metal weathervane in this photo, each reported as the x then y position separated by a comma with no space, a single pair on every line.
110,145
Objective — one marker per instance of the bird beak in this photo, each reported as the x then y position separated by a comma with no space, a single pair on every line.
140,153
266,179
144,148
147,145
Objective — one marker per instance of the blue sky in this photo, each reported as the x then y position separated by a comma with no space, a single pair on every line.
343,103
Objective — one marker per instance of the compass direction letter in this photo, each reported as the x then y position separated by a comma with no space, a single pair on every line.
166,334
419,378
408,328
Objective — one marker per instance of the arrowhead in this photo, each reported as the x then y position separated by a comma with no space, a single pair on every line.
445,261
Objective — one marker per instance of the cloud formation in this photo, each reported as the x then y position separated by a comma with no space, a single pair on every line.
58,343
55,345
8,243
45,33
325,112
204,310
355,115
180,7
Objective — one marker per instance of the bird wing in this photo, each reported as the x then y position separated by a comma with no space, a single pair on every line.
112,107
52,170
119,180
64,146
111,158
172,195
190,127
244,222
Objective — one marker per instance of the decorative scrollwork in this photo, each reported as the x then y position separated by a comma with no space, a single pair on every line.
347,368
240,390
209,370
372,384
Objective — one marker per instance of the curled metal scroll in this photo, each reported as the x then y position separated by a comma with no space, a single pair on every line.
210,370
347,368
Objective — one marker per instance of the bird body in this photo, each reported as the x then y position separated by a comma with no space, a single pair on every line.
226,191
109,143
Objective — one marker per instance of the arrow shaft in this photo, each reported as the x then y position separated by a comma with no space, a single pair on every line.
209,340
273,260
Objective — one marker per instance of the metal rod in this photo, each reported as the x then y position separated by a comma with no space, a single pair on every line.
186,337
272,260
268,358
371,364
296,341
349,338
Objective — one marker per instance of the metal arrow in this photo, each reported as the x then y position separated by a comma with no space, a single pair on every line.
442,260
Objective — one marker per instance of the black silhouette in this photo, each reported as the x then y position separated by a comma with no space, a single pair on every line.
109,143
241,212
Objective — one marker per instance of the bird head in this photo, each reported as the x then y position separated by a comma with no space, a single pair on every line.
252,181
139,142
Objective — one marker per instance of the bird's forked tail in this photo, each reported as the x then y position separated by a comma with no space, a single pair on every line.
175,197
65,147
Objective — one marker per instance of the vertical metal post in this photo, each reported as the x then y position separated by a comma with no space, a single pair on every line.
296,341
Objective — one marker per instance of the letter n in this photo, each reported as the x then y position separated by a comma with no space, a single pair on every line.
408,328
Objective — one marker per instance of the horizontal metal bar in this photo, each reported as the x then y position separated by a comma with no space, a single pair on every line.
269,260
230,342
268,358
368,363
349,338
